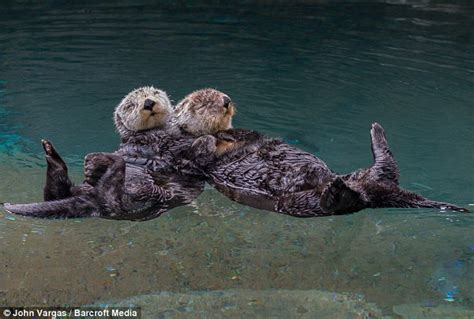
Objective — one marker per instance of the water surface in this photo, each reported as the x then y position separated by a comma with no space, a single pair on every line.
316,73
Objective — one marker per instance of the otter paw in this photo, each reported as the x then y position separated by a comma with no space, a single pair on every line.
204,145
96,164
100,159
205,142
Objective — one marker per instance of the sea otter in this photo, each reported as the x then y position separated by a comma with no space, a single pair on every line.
269,174
137,182
140,110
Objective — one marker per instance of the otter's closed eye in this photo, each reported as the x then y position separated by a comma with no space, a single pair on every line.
226,101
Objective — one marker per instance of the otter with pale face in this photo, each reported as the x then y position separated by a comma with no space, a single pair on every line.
142,109
206,111
269,174
139,181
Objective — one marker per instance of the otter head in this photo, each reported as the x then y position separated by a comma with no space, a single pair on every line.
142,109
206,111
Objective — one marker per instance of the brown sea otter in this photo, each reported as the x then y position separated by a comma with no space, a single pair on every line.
141,110
269,174
138,182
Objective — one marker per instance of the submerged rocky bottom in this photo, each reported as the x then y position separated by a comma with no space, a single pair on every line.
218,254
239,303
245,303
405,64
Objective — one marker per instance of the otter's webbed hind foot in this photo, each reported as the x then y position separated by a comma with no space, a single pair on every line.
58,185
52,156
428,203
385,168
72,207
338,198
104,200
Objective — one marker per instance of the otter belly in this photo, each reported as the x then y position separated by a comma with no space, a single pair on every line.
274,171
268,179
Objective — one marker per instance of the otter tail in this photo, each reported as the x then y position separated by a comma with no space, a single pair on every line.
385,168
77,206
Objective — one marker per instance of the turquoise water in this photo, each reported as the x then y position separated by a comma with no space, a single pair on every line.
317,74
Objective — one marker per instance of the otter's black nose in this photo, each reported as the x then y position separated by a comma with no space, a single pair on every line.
226,101
148,105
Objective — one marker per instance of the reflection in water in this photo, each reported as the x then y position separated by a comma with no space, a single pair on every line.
316,73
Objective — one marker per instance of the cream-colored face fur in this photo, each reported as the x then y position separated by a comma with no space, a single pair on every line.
142,109
206,111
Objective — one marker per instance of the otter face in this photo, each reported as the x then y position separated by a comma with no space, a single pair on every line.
206,111
142,109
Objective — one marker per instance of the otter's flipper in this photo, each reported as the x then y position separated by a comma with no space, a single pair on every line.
388,195
111,186
101,201
338,198
77,206
58,185
385,168
427,203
